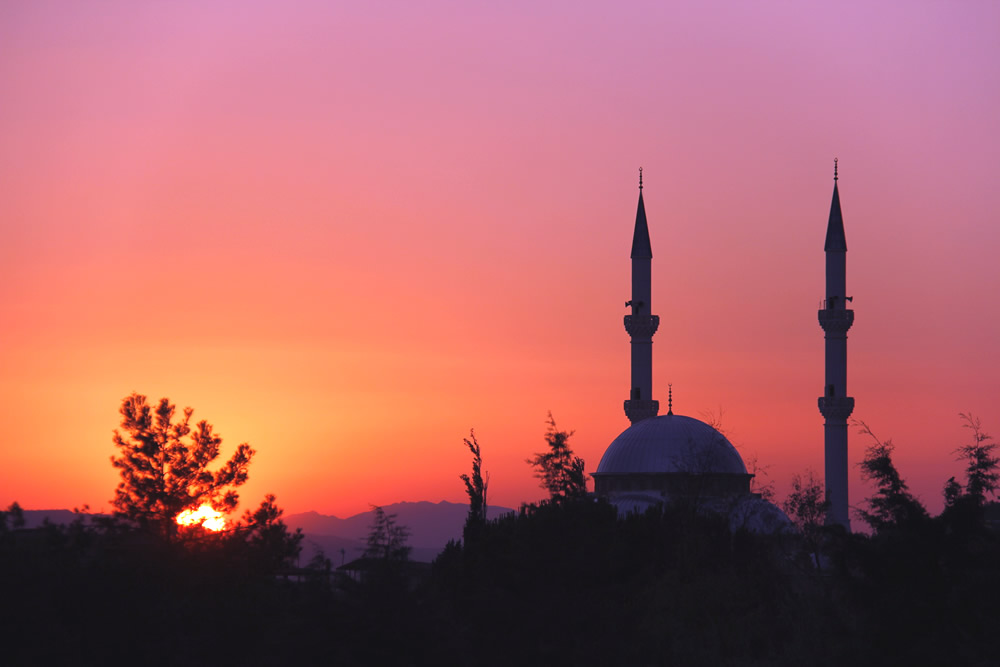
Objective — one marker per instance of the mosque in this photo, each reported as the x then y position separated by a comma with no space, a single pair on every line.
663,458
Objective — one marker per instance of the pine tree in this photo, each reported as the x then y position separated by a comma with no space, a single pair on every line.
892,504
164,466
559,469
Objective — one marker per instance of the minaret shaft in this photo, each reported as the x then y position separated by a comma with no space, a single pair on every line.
835,405
641,324
642,345
836,366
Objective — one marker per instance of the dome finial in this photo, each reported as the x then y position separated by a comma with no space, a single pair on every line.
640,178
670,399
834,170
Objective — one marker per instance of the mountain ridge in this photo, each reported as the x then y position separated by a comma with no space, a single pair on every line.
431,526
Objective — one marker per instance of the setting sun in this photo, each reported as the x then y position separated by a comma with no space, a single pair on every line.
206,516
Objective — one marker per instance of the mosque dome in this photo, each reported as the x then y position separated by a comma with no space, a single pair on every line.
672,456
671,444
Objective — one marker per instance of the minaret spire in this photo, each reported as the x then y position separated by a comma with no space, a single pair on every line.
835,405
641,324
835,239
641,248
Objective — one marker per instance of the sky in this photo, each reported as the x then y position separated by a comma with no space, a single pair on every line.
348,233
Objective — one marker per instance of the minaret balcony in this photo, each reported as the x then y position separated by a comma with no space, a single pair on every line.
641,326
637,409
836,408
836,321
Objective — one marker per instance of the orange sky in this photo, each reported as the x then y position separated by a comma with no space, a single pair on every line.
346,235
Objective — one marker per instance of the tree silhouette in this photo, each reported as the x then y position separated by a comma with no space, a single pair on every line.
892,504
386,538
475,485
164,466
807,505
760,483
270,542
559,469
965,507
981,463
14,514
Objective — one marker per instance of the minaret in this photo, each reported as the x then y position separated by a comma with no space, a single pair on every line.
836,318
641,324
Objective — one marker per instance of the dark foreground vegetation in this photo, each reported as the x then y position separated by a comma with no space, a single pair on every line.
558,584
565,582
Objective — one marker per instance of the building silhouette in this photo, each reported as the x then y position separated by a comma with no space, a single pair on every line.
671,457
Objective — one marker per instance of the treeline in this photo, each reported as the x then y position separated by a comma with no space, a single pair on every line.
563,582
559,583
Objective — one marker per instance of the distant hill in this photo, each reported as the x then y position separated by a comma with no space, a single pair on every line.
35,518
431,526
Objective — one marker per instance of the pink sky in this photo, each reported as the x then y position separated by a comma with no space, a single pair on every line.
349,234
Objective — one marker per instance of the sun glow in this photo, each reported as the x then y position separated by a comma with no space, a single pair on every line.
206,515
